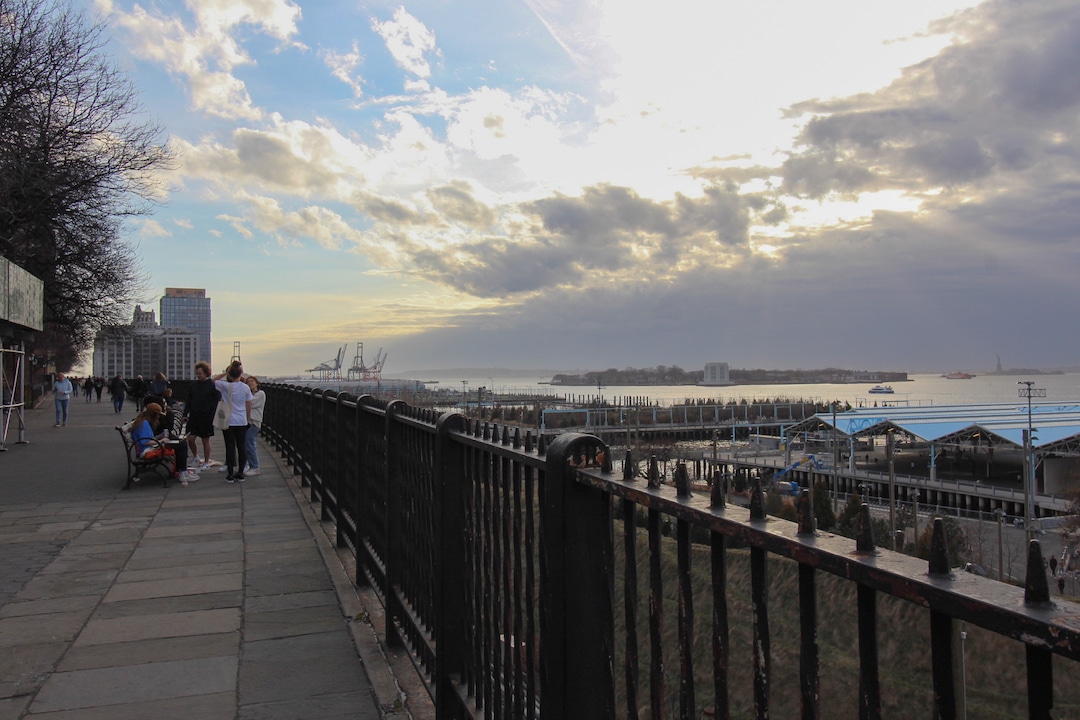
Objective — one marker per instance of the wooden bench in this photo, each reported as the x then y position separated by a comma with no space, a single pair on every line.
137,463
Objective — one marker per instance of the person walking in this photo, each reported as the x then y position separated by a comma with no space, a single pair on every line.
258,402
203,397
88,387
99,385
237,396
138,391
62,390
118,389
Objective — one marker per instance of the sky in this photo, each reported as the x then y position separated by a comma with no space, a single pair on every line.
613,183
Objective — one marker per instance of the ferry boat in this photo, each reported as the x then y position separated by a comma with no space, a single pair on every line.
881,390
958,376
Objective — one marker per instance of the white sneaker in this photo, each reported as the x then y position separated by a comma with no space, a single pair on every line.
196,460
253,471
191,475
222,469
206,465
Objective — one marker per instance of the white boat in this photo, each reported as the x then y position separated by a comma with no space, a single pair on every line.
881,390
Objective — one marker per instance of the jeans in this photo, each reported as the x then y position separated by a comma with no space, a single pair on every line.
234,447
61,411
250,447
118,403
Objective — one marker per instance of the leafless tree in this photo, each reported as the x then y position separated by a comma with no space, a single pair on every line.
77,156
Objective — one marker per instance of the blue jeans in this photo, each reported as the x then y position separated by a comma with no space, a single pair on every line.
249,445
118,402
61,411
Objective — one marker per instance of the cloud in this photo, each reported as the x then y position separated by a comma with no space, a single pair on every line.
990,106
152,228
409,41
206,55
343,67
456,201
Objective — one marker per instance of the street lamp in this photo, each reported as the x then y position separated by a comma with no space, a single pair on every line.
835,459
1000,512
1029,460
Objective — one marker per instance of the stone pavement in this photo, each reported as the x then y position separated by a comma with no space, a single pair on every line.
207,601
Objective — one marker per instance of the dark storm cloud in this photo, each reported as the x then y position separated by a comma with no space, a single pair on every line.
995,102
605,233
387,210
456,201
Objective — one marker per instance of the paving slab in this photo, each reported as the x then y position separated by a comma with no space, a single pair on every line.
220,706
41,629
175,587
339,706
136,683
24,668
145,627
133,652
161,605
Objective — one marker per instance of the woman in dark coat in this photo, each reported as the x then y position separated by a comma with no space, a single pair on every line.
201,404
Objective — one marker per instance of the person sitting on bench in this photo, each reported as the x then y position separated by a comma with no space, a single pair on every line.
143,432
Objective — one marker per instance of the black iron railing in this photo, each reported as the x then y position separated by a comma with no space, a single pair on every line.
497,562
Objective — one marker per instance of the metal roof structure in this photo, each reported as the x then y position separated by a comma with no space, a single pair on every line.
1055,426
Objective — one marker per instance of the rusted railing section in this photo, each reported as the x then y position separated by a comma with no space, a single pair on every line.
496,560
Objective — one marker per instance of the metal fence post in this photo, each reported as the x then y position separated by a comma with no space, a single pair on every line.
577,590
394,541
450,611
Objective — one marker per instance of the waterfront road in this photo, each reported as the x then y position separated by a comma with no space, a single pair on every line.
207,601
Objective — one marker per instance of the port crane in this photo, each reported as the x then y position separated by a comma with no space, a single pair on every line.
361,371
331,369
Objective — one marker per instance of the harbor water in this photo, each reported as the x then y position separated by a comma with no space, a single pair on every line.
920,389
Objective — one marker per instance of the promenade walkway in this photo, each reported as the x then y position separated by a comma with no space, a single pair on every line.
207,601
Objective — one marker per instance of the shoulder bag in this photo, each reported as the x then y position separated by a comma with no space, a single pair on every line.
224,410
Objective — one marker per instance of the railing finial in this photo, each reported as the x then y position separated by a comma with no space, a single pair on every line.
939,549
1036,589
654,472
757,501
717,499
864,534
806,513
682,481
628,466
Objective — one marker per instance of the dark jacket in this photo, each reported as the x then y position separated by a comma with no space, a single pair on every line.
117,386
203,397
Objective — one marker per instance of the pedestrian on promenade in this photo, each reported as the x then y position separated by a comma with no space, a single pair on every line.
258,402
203,397
88,387
62,390
138,390
237,396
99,385
158,386
118,389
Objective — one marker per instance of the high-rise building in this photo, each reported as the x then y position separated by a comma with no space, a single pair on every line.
144,348
189,308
